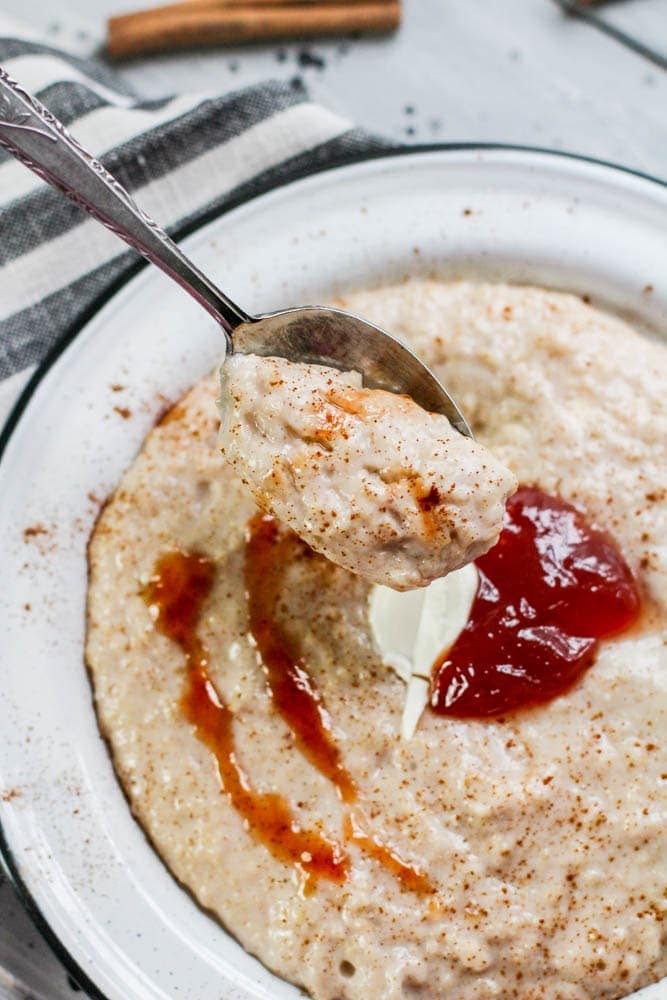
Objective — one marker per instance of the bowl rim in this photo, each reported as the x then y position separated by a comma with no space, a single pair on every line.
389,151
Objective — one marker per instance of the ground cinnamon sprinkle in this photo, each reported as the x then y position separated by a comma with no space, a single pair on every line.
429,500
33,531
170,413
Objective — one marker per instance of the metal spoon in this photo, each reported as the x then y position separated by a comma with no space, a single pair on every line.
316,334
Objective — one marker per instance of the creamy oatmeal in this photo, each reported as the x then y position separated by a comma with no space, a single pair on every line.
366,477
520,856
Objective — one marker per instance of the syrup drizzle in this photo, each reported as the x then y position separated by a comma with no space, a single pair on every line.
355,829
269,549
178,589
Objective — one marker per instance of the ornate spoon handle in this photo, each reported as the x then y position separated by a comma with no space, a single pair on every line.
35,137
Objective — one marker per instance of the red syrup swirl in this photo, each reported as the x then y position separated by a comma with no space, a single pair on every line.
550,589
270,549
178,589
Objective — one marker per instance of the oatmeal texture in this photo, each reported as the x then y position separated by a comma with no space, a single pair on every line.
544,833
366,477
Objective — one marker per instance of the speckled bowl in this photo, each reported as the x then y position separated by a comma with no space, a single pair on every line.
104,899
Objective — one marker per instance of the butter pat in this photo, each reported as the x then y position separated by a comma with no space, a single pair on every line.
411,629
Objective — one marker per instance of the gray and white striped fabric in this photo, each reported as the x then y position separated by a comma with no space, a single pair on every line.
182,157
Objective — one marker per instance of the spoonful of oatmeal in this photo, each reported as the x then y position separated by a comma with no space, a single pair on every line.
334,425
365,476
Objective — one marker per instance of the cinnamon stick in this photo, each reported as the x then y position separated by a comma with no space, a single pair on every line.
210,22
271,3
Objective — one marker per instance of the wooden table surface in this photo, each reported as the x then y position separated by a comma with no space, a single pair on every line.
518,72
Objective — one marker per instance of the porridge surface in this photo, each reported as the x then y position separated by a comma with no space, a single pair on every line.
543,834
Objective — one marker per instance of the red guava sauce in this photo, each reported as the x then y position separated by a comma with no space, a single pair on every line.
269,551
270,548
178,589
550,589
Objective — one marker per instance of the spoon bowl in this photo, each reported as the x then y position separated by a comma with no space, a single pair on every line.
327,336
310,334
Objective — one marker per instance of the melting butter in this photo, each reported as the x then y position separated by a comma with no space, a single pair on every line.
412,628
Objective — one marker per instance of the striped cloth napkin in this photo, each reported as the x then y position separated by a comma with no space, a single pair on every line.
182,156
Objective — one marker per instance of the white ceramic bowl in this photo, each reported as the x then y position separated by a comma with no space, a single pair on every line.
103,897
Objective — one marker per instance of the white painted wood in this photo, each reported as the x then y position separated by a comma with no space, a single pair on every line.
519,72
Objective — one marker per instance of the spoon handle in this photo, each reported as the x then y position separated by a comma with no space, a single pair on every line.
35,137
